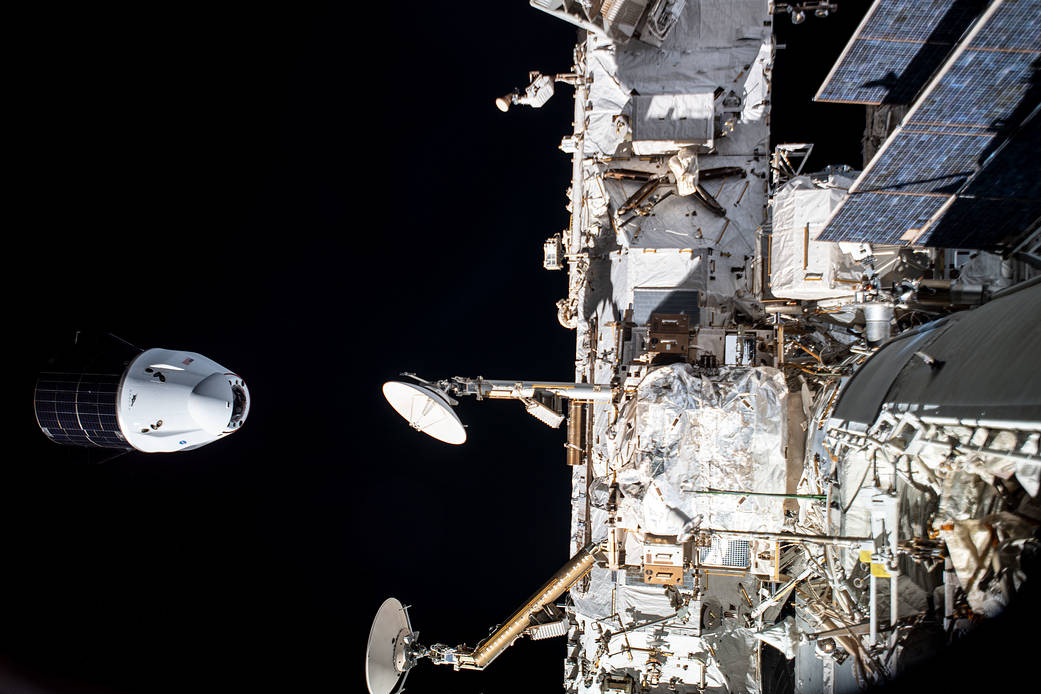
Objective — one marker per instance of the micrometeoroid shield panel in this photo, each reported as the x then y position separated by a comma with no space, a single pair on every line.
172,400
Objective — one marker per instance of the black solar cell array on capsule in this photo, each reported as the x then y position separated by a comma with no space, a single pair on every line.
79,409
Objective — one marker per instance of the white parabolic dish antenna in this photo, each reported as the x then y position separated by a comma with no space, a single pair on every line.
426,410
386,658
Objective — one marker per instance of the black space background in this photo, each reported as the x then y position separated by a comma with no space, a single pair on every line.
317,197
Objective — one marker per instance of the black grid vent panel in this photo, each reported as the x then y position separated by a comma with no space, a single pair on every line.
647,301
79,409
727,553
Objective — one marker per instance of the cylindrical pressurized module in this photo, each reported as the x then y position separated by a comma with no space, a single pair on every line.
161,401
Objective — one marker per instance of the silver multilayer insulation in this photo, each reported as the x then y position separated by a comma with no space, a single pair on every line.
686,434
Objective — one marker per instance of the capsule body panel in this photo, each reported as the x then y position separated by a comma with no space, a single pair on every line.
174,401
161,401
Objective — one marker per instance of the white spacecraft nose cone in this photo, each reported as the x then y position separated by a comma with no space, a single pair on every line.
210,403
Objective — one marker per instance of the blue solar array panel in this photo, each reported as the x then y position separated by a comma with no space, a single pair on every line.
985,209
896,49
978,90
880,217
925,161
868,71
79,409
971,135
977,222
1013,27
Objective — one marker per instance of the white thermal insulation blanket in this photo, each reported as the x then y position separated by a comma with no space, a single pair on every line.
663,123
598,601
680,268
800,266
714,42
651,269
685,434
985,557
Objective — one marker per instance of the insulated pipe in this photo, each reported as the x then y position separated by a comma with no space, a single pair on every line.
839,587
527,389
514,627
894,599
949,584
779,594
577,172
698,605
846,640
873,602
793,537
849,644
575,427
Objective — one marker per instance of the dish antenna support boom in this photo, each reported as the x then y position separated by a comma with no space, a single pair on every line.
427,406
393,649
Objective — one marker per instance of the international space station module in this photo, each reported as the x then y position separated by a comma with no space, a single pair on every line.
805,422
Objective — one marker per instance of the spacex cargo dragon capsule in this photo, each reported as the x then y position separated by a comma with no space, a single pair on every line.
160,401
